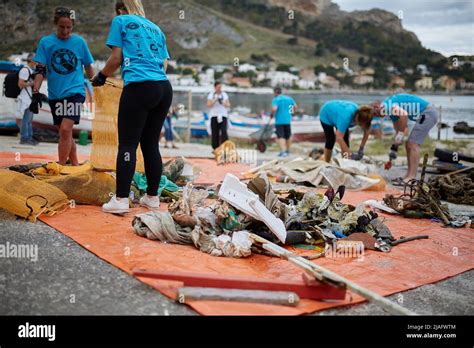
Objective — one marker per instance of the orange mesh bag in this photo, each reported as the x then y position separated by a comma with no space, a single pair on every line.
105,130
28,198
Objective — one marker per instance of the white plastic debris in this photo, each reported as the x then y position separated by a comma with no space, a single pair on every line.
241,240
379,205
236,194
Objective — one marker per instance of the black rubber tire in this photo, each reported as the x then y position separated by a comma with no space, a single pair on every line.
261,146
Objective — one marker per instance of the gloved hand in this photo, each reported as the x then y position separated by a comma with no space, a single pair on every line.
357,156
36,102
99,80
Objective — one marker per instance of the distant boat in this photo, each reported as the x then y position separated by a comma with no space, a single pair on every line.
44,119
306,128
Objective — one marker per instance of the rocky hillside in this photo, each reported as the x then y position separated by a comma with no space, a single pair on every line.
213,31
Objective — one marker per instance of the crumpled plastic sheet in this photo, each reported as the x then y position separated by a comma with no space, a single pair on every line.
160,226
352,174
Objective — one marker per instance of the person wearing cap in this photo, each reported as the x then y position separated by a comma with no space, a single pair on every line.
62,57
26,82
401,108
341,115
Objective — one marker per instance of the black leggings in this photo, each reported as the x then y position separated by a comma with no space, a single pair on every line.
142,112
331,136
219,132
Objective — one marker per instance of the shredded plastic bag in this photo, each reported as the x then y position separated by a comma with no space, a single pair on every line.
165,183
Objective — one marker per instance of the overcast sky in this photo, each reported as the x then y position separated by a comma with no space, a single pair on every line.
446,26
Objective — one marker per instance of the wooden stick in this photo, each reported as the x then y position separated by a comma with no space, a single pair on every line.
459,171
423,171
326,275
438,209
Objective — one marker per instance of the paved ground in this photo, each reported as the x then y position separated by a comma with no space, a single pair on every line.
69,280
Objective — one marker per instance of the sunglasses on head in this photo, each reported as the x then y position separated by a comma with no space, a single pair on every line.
63,12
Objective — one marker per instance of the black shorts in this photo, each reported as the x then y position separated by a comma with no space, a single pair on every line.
283,131
330,135
69,108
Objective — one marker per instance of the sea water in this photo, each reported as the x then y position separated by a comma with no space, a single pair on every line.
454,108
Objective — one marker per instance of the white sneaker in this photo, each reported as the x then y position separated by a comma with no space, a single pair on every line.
116,206
150,202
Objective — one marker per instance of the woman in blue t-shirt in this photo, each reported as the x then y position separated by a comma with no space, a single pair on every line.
139,47
401,108
61,57
336,117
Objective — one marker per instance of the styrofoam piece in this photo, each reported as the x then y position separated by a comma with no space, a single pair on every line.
236,194
380,205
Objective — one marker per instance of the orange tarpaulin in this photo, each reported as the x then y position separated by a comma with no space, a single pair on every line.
210,172
448,252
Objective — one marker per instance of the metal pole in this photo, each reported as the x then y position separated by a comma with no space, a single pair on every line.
190,109
440,124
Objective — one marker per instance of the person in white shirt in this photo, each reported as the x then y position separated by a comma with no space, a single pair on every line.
25,82
218,103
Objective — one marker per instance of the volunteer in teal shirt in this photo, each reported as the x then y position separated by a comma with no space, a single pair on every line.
283,107
64,60
401,108
62,57
139,48
143,48
343,115
412,104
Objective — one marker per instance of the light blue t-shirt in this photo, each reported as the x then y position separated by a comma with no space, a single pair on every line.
285,106
412,104
339,114
64,60
143,47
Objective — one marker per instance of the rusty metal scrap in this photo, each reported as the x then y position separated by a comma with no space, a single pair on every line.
420,200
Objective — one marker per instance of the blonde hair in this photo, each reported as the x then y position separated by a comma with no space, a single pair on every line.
134,7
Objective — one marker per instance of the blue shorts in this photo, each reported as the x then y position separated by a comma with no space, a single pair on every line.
69,108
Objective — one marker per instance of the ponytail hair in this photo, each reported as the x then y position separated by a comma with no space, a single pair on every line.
134,7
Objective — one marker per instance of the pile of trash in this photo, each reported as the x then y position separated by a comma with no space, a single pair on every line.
223,227
354,175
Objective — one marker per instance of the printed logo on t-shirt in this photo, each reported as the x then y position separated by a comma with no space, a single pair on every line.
132,26
64,61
